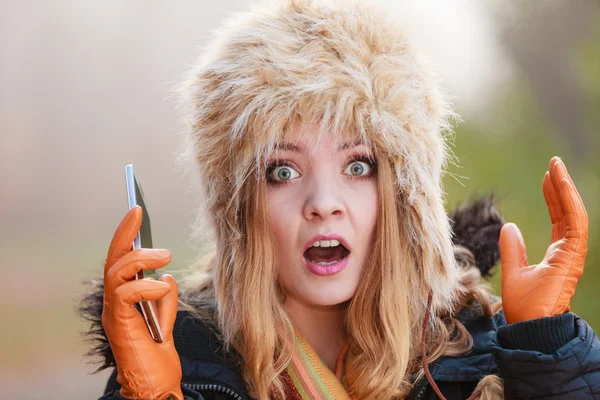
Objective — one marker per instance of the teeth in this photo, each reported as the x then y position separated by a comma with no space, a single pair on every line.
326,243
327,263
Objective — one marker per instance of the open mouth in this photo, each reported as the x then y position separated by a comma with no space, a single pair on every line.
322,255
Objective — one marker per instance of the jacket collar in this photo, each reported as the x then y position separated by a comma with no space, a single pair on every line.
479,362
204,359
207,366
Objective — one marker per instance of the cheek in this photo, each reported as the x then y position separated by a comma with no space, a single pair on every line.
365,204
281,217
274,214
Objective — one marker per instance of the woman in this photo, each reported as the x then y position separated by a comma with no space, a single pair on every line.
321,139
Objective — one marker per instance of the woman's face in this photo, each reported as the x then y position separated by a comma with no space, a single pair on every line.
325,190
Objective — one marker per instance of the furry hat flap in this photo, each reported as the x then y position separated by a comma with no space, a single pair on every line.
350,69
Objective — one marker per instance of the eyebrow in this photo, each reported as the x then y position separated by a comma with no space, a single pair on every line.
300,149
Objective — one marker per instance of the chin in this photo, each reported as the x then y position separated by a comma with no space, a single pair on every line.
330,294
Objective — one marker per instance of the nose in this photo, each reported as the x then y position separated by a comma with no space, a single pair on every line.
324,199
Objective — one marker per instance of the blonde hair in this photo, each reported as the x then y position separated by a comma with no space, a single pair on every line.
353,73
383,321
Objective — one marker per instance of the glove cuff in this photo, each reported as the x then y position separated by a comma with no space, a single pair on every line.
545,335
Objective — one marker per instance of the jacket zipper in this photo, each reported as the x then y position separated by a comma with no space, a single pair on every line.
419,395
213,388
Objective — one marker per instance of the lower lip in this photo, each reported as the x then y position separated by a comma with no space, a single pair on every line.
326,270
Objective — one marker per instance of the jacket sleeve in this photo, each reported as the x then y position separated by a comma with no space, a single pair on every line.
111,392
549,358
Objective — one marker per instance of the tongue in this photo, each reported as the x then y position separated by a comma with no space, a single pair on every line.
320,254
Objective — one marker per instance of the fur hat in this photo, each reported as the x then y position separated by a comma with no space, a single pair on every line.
347,67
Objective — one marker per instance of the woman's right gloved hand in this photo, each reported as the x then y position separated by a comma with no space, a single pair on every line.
146,369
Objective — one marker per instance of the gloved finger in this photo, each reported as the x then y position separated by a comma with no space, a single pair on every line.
551,199
513,252
558,172
133,292
575,216
571,201
127,267
167,306
562,173
554,191
122,241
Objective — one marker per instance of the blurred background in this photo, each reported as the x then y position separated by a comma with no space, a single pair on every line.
86,87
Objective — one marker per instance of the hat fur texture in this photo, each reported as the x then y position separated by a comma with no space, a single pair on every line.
349,69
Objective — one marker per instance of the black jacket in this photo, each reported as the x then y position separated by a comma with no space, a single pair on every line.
548,358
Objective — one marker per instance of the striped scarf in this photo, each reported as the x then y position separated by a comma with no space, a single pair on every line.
308,378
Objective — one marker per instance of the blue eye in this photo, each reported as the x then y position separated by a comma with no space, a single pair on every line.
358,168
283,173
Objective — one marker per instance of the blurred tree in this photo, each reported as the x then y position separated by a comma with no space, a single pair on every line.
541,38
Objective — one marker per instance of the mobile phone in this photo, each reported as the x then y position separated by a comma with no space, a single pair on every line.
135,196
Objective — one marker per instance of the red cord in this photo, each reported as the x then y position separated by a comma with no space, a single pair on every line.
436,389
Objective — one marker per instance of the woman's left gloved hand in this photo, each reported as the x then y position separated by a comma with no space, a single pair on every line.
545,289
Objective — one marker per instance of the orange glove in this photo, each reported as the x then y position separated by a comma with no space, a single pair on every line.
146,369
545,289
